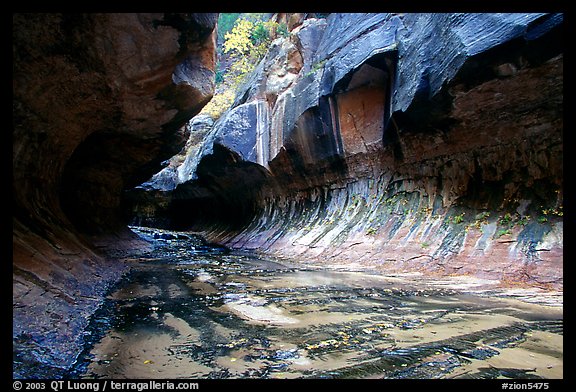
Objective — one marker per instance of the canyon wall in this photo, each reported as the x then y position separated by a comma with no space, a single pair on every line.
416,143
99,101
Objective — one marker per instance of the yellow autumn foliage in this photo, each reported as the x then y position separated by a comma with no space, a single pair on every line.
238,39
247,43
219,103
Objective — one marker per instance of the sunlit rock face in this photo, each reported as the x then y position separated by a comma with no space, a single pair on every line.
99,101
417,142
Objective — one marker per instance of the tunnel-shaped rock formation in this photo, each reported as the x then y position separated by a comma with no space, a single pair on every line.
399,142
99,102
417,142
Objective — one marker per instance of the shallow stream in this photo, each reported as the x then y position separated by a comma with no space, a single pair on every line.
189,310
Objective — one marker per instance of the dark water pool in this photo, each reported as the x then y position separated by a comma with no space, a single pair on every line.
192,311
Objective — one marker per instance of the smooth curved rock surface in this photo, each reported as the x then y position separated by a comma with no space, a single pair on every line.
416,142
99,101
420,142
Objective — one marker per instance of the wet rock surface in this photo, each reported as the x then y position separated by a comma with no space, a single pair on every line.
181,313
99,101
371,149
400,142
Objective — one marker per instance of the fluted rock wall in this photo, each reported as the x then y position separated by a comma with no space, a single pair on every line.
99,102
418,142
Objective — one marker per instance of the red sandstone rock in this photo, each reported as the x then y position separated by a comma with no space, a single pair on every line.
99,101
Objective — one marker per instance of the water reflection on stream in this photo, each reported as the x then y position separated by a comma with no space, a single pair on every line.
187,313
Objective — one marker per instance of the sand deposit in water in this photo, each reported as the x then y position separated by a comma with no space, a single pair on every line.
188,314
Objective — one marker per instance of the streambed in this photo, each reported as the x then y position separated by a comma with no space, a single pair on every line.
190,310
